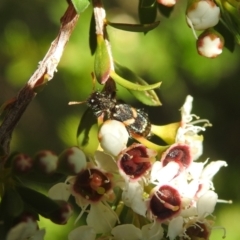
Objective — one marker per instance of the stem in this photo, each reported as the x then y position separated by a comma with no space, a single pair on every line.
45,72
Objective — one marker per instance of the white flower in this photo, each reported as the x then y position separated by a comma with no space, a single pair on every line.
188,131
113,137
26,230
152,231
92,186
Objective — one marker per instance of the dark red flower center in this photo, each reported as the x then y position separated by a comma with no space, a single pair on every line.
165,203
197,231
92,184
179,154
135,162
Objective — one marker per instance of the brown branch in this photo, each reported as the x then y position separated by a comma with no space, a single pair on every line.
16,107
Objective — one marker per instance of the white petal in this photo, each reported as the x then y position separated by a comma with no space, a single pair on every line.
186,109
59,192
152,231
39,235
126,232
77,159
82,233
132,196
190,212
113,137
195,169
22,231
212,168
206,204
168,172
106,162
101,218
175,227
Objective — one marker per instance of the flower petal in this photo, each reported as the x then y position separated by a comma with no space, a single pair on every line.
106,214
132,196
153,231
126,232
106,162
175,227
59,192
82,233
206,204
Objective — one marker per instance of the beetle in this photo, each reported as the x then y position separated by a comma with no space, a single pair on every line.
135,120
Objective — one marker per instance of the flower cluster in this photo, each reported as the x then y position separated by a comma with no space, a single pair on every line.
138,190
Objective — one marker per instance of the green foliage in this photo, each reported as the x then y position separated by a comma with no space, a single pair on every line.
148,97
80,5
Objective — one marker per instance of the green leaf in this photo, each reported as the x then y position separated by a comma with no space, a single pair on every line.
147,11
230,16
80,5
102,62
87,129
38,201
37,177
11,204
92,35
165,11
134,27
132,86
229,41
148,97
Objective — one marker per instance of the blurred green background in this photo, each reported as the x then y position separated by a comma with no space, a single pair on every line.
166,54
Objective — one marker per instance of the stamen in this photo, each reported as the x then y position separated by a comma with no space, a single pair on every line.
222,228
141,159
224,201
113,212
81,213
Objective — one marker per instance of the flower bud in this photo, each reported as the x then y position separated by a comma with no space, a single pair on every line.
72,161
202,14
210,44
62,214
113,137
22,163
167,3
46,162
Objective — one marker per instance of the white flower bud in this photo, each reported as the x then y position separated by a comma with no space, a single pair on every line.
203,14
210,44
167,3
46,161
113,137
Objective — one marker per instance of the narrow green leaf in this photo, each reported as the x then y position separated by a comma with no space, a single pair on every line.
87,129
147,11
132,86
92,35
148,97
134,27
80,5
165,11
38,201
37,177
230,16
227,35
102,62
11,204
